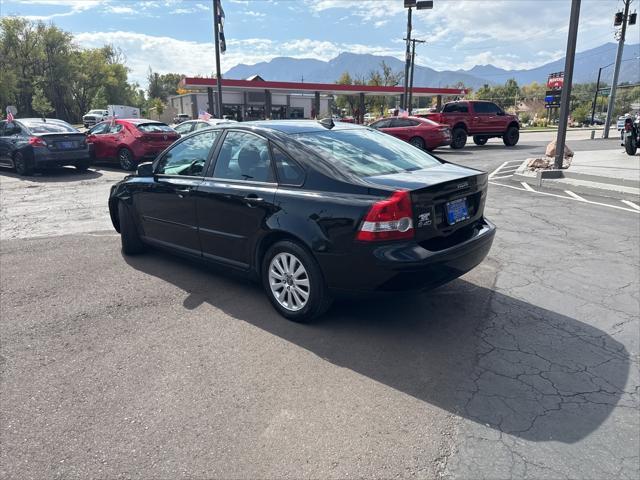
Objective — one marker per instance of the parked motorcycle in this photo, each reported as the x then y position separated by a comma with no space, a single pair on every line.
631,134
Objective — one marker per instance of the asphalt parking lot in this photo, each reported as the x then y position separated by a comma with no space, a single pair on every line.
153,367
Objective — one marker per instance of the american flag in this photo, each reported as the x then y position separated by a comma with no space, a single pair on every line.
202,115
9,116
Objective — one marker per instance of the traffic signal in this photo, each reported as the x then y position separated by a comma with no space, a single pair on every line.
632,18
617,20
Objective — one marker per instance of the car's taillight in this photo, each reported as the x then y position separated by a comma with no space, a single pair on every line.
389,219
37,142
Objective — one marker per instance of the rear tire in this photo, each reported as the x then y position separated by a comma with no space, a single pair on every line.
631,145
417,142
286,290
131,243
511,136
22,166
458,138
125,157
83,166
480,140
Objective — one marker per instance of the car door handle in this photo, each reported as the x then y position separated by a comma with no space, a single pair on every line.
476,118
252,199
182,191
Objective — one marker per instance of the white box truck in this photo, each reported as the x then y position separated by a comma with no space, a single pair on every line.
123,111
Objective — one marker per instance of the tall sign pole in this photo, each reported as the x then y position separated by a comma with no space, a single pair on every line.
407,62
566,86
616,71
216,32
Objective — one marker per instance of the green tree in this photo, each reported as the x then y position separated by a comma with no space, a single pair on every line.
40,102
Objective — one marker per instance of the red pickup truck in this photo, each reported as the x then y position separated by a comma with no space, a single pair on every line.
480,119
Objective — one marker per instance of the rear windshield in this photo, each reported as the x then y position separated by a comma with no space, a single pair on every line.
154,128
57,126
367,152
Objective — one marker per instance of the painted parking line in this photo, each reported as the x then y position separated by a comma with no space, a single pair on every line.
527,188
575,195
631,204
505,170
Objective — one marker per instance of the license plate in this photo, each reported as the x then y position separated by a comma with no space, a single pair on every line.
66,145
457,211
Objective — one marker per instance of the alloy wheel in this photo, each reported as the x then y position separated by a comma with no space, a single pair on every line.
289,281
125,159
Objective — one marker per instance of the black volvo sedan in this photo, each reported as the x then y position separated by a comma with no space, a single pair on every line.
308,208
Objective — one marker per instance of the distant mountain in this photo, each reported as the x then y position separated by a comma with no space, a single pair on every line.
311,70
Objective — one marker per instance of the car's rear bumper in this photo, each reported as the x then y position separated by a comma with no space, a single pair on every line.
406,266
45,158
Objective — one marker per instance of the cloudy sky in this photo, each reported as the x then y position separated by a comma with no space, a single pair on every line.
176,35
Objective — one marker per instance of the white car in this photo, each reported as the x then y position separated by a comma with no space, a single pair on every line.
93,117
193,125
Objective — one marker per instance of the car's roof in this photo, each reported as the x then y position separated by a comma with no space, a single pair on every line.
137,120
293,126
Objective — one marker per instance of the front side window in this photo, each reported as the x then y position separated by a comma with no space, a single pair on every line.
244,156
100,129
184,128
188,157
366,152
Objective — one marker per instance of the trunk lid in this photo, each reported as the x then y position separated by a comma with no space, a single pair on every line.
58,142
432,189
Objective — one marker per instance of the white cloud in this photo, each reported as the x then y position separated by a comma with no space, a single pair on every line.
120,10
166,54
254,14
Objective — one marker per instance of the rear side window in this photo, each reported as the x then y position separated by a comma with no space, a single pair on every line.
244,156
289,172
367,152
154,127
403,122
455,108
386,123
189,156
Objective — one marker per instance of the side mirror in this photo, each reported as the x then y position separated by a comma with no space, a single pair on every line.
145,170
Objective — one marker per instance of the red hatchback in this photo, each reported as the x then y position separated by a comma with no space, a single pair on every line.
130,141
419,132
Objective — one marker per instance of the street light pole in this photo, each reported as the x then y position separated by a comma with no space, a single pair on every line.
568,79
216,33
616,71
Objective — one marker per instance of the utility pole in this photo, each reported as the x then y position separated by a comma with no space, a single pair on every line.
216,33
407,62
616,70
595,98
418,5
413,61
566,86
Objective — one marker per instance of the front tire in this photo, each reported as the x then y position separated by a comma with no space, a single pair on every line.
125,157
511,136
479,140
131,243
417,142
22,166
458,138
631,145
294,283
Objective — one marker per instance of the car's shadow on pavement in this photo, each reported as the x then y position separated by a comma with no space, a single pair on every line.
470,350
57,175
